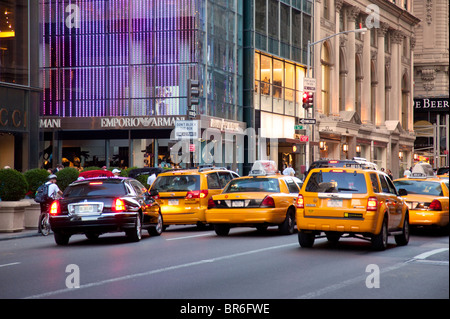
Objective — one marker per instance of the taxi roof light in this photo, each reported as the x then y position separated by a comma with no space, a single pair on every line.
263,167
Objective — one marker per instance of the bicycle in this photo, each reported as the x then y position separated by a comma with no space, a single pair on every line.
44,223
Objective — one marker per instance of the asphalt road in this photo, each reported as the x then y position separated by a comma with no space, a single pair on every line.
184,263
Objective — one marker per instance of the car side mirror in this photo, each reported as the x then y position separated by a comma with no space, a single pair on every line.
402,192
153,192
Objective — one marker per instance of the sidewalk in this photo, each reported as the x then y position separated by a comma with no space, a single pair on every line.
23,234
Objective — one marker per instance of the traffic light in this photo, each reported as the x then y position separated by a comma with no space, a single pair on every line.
193,92
308,100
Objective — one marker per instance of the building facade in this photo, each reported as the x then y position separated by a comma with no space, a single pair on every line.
19,84
431,91
365,81
115,76
276,34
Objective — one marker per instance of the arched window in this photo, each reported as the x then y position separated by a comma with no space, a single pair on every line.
358,84
325,64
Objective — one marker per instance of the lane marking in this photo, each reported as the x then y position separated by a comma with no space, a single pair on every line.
427,254
187,237
156,271
419,258
11,264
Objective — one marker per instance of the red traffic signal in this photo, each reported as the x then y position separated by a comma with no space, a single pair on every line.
308,100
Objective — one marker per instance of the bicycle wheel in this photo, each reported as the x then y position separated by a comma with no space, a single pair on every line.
44,224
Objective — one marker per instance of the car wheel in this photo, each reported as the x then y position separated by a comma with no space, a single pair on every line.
379,242
403,238
222,229
61,239
135,234
158,229
287,227
306,239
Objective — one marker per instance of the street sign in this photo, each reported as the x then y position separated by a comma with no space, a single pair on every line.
186,129
191,113
299,127
309,85
306,121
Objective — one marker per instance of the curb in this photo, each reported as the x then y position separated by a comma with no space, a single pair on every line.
25,234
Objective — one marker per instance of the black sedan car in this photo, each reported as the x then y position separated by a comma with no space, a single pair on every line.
99,205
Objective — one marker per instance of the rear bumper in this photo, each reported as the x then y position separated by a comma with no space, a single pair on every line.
71,224
428,218
246,216
365,225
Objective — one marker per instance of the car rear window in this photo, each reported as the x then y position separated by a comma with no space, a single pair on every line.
177,183
95,188
253,185
337,182
420,187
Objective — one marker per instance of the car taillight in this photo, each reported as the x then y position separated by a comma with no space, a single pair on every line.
435,205
118,205
54,208
197,194
372,204
300,201
211,203
268,202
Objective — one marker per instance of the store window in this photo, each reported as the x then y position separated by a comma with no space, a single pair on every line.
14,41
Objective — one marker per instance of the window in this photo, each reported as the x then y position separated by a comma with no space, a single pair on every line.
224,178
273,18
374,181
292,186
213,181
253,185
260,16
325,59
384,184
333,182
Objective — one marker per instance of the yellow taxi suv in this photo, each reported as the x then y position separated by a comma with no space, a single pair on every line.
262,199
183,194
427,199
354,203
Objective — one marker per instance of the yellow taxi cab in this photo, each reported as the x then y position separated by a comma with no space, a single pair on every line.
354,202
262,199
427,199
183,194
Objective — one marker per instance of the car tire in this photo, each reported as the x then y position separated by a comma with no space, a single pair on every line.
287,227
158,229
379,242
222,229
403,238
306,239
61,239
135,234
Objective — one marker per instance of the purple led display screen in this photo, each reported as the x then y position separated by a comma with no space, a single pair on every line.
117,57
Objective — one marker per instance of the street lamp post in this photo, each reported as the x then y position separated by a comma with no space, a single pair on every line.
308,67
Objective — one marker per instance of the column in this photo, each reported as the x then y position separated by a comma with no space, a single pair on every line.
380,113
336,68
352,13
396,76
366,93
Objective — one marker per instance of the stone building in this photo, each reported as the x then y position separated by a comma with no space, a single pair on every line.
431,91
364,97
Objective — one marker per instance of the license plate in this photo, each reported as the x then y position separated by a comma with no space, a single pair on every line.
334,203
86,209
173,202
237,203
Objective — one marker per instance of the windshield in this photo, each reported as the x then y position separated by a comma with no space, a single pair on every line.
253,185
336,182
95,188
420,187
177,183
